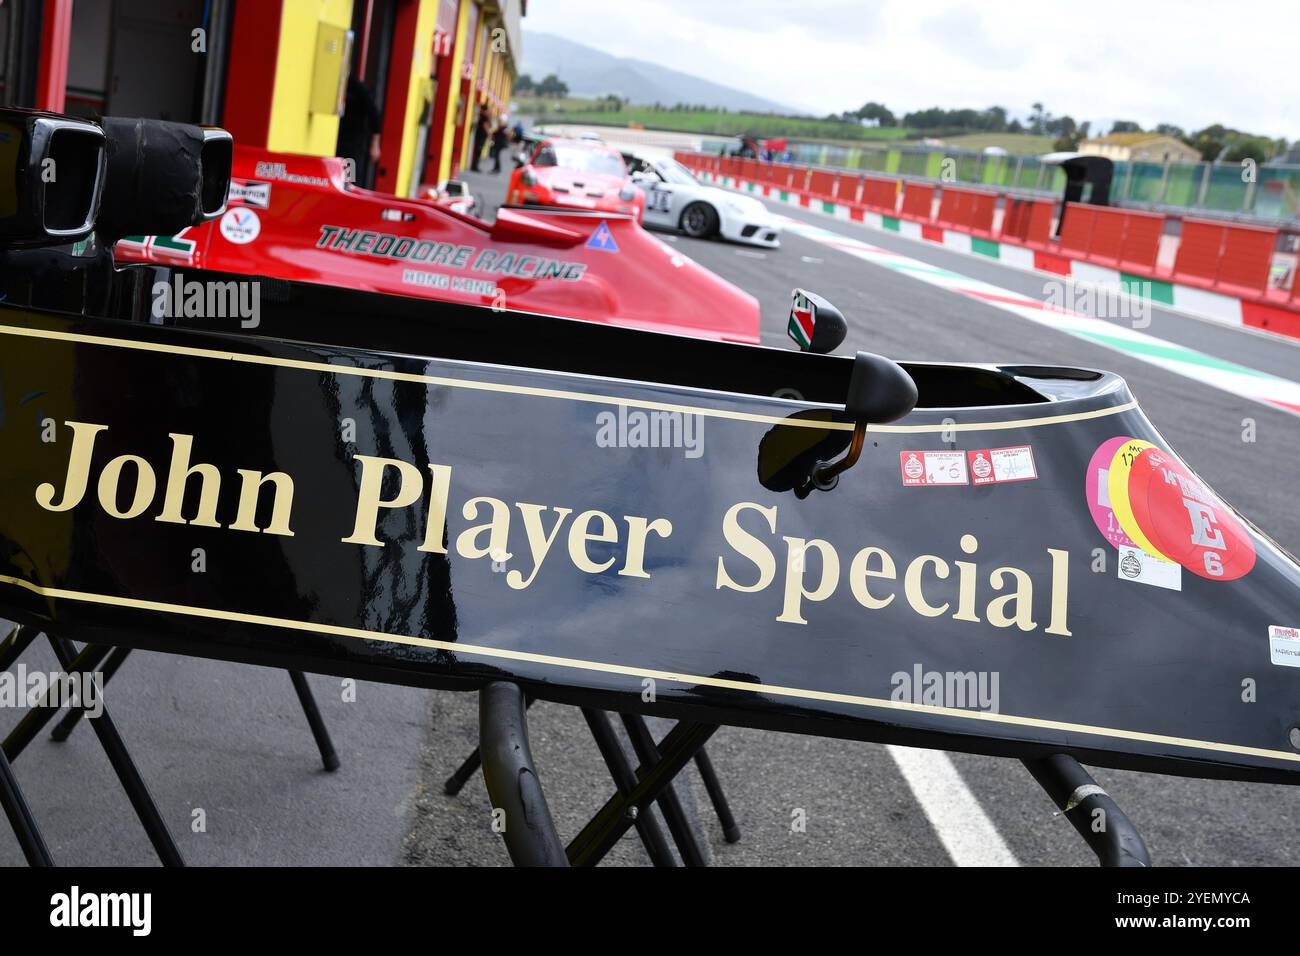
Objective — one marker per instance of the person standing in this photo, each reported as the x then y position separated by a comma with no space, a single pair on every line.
500,143
482,129
359,132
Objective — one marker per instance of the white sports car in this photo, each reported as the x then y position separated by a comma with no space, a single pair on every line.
675,199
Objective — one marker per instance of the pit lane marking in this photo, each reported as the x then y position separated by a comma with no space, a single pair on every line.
960,823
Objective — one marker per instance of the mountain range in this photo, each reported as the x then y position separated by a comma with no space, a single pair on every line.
590,72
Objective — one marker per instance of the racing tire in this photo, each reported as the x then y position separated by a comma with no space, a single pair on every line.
699,220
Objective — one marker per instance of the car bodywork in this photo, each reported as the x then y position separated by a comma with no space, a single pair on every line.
575,174
296,217
670,189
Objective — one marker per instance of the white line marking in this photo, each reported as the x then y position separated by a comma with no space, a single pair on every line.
750,255
959,821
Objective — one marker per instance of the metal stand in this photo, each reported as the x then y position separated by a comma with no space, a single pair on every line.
511,779
611,752
20,817
514,786
1111,835
328,757
111,659
127,773
64,727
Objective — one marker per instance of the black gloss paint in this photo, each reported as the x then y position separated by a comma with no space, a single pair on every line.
1112,671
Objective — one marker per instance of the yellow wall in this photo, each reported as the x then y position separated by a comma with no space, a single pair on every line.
457,62
294,129
473,48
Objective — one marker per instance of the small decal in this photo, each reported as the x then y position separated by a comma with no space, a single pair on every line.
1136,565
803,320
994,465
602,239
250,193
933,468
1284,645
240,225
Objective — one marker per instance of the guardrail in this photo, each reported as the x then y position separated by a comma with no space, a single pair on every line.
1227,271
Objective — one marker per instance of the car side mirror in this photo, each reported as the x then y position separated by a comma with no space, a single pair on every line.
815,325
519,162
51,178
879,390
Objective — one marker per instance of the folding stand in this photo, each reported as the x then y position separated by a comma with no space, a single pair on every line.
624,776
86,661
531,840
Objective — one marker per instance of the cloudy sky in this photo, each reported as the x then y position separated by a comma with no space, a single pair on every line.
1189,62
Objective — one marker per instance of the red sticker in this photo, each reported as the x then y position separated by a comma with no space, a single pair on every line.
990,465
933,468
1187,521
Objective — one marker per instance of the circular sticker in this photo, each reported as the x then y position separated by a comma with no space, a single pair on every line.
981,466
913,467
1098,493
240,225
1117,484
1186,520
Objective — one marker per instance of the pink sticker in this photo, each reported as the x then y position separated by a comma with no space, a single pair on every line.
1099,494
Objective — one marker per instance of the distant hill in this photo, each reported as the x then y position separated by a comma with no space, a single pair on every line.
589,72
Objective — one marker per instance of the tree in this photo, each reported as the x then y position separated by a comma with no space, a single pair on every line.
524,84
552,85
1125,126
878,112
1246,149
1169,129
1037,117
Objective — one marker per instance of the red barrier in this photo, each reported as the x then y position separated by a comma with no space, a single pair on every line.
846,189
1107,241
1247,257
967,209
918,201
954,207
1141,247
752,170
1076,228
821,184
1041,213
1198,251
983,207
1015,219
880,194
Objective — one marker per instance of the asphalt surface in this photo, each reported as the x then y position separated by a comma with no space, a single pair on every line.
230,740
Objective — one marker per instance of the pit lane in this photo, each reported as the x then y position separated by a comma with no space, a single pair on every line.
230,740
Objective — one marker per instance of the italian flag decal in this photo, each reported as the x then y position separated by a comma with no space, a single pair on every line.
803,319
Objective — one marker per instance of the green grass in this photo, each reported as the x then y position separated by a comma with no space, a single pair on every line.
1011,142
710,122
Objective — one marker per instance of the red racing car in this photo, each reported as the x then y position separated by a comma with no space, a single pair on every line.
576,174
295,217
